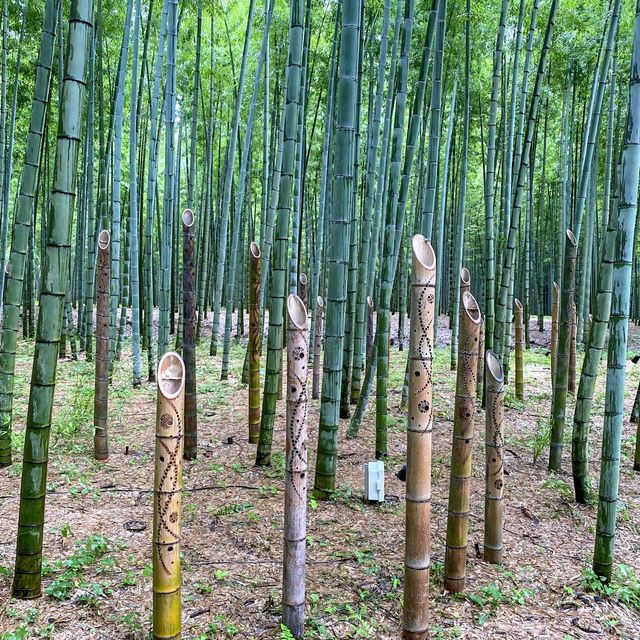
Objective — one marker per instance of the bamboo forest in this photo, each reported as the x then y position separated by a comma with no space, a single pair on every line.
320,319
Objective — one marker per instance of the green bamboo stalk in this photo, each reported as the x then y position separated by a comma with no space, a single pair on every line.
27,577
617,351
253,347
338,249
23,229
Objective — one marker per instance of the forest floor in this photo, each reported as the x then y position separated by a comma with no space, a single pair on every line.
97,545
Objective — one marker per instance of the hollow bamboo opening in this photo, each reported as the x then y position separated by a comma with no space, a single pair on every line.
465,276
255,250
188,218
493,366
320,302
571,238
170,375
423,251
471,308
517,304
297,311
104,238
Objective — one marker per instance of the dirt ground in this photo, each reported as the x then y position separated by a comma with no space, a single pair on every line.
98,521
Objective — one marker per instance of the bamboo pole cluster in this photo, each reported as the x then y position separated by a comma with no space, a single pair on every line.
419,434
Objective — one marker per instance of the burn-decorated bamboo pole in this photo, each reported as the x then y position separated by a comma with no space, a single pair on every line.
555,308
560,381
494,467
55,275
481,351
167,599
295,488
455,562
417,557
317,348
255,329
519,327
189,334
101,396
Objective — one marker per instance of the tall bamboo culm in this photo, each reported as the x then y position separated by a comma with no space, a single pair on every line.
295,489
317,348
494,466
555,307
167,581
101,396
419,433
255,330
519,327
189,334
571,382
455,562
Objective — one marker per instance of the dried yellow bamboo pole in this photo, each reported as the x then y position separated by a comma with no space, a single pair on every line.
254,343
101,395
555,311
571,382
455,561
295,488
167,602
518,318
417,557
494,467
317,348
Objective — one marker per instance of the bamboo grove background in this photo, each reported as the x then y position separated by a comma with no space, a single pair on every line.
328,134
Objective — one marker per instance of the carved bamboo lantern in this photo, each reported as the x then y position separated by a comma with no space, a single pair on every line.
518,318
494,460
254,342
317,347
455,563
295,489
417,557
555,309
189,335
167,601
480,373
101,395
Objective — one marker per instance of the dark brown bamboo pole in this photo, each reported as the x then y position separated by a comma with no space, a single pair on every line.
571,382
465,281
101,395
519,347
480,373
167,600
494,466
317,348
189,335
455,562
555,312
417,557
370,331
254,342
303,282
295,489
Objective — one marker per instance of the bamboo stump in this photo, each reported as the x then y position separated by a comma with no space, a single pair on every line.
295,491
254,342
455,562
519,328
419,433
494,460
167,601
189,336
101,395
555,306
317,347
